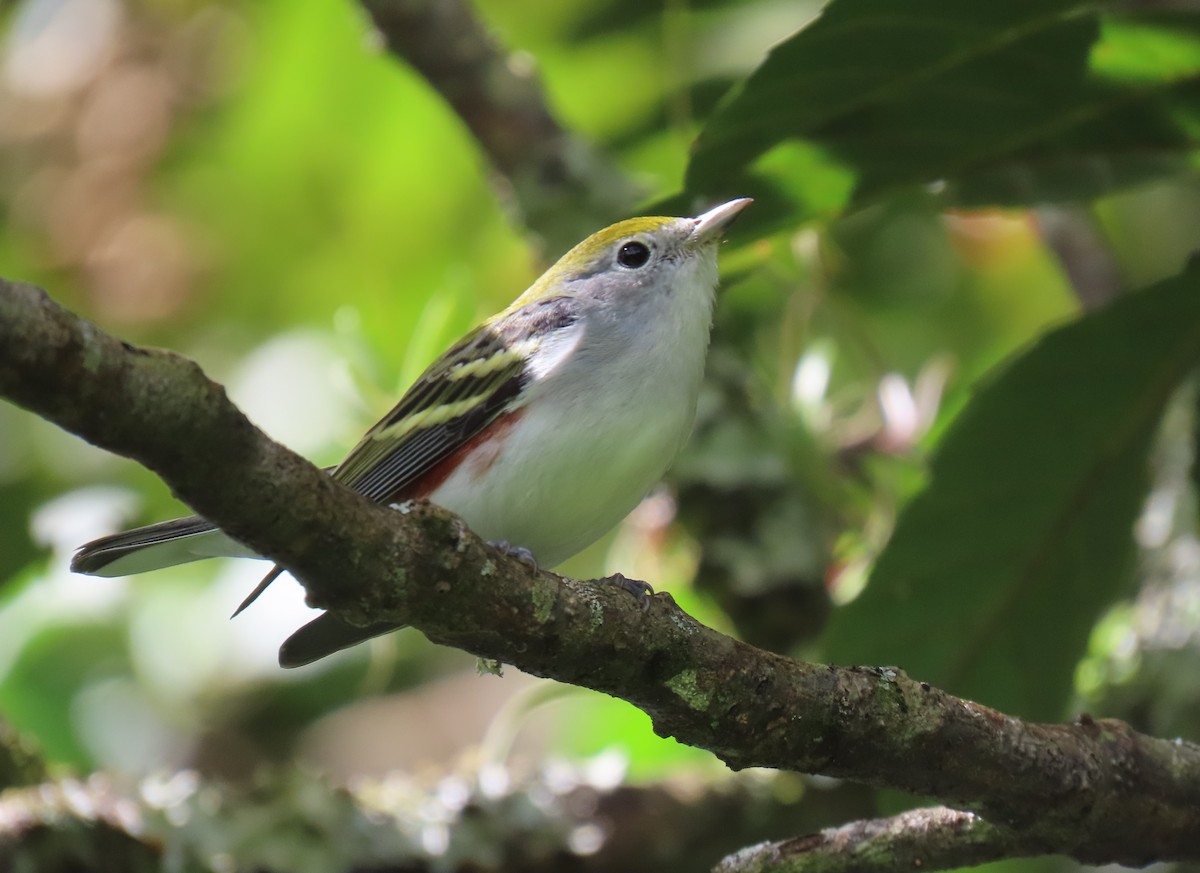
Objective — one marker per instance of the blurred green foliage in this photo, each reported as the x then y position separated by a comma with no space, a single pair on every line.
260,187
1033,546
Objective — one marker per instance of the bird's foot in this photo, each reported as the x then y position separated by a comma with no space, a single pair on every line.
521,553
639,589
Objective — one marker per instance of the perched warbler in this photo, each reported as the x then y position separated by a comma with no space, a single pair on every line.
542,427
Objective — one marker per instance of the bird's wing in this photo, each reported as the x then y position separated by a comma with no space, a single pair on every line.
460,394
456,399
453,401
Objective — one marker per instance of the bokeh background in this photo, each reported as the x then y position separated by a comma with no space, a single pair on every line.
261,187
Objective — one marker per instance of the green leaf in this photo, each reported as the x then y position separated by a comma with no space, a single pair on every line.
1006,103
998,570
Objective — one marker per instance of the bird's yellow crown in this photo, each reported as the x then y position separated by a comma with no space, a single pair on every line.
583,256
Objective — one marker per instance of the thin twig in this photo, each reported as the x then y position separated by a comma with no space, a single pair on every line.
934,838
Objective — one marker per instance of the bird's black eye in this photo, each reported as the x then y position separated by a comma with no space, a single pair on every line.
633,254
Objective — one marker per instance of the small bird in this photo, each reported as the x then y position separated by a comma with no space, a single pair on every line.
541,428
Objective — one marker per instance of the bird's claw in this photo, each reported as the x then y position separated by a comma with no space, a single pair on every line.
639,589
521,553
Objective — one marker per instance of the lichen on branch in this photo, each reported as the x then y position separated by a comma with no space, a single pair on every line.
1096,790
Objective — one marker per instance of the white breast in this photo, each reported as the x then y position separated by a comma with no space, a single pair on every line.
609,409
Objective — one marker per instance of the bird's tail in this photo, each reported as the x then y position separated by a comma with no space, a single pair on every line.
156,546
182,540
326,634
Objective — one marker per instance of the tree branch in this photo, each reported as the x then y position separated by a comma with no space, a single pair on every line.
563,187
921,839
1075,239
1096,790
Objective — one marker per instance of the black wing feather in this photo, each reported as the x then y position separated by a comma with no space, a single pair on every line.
98,554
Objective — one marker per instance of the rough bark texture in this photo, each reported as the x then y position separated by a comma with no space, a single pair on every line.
922,839
1096,790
